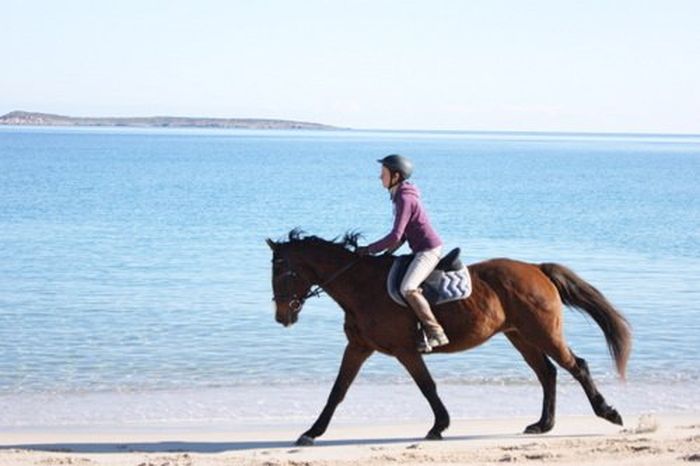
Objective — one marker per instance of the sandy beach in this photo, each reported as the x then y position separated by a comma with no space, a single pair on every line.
647,440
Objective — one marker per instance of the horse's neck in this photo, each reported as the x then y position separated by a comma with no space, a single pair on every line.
344,275
327,264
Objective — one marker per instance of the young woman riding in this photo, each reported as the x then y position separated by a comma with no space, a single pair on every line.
411,224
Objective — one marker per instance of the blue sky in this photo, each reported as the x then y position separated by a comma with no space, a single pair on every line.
608,66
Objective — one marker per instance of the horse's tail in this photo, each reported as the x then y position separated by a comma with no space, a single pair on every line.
578,293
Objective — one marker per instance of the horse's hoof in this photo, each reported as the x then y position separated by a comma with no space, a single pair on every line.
533,429
433,436
537,428
613,416
304,441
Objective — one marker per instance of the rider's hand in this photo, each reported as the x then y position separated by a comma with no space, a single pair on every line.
362,251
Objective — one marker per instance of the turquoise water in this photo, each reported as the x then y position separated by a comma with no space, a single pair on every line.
135,261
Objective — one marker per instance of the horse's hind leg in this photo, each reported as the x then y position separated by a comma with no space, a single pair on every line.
353,358
414,364
577,367
547,375
600,406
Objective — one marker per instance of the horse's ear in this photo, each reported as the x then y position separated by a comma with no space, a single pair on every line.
271,243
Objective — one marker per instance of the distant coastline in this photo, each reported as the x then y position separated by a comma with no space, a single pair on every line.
22,118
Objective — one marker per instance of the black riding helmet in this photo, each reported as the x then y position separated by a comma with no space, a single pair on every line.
398,163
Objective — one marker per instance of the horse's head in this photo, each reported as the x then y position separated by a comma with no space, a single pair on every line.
303,266
290,283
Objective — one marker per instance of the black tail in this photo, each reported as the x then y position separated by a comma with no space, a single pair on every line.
578,293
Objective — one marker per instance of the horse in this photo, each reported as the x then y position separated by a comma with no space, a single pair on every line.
522,300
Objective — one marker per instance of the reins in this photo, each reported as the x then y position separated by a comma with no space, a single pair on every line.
315,290
319,288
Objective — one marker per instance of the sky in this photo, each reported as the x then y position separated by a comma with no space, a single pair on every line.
496,65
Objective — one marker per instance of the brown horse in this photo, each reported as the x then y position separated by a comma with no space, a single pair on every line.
522,300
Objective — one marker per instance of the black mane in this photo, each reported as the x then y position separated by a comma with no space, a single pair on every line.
348,242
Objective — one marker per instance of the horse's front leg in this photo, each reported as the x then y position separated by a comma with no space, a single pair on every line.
353,358
414,364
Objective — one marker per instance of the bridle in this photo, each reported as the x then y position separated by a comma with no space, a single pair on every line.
297,302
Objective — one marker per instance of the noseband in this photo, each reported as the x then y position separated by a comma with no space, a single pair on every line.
297,302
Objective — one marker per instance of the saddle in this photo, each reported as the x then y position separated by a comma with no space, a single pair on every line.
450,281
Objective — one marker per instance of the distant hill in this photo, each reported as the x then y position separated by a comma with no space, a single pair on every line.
45,119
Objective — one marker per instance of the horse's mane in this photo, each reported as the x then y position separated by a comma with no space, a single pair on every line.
348,241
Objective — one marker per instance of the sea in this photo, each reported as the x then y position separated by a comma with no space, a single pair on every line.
135,280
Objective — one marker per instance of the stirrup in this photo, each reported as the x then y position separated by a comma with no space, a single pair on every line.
423,344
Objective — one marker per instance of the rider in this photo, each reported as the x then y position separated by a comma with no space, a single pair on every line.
411,224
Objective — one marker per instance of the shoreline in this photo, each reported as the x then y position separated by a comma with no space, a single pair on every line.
260,406
650,439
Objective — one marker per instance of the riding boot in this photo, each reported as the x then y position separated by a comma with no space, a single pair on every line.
435,335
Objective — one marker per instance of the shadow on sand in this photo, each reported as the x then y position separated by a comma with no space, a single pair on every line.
220,447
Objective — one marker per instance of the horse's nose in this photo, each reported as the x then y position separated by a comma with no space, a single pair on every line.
281,317
283,321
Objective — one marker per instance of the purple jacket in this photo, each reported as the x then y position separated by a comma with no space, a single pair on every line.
411,223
